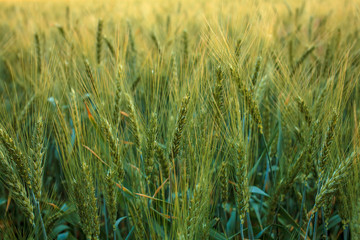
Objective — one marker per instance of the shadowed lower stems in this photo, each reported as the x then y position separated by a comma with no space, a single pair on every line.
39,217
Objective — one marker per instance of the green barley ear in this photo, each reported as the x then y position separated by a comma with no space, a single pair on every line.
37,157
85,201
256,71
52,219
311,150
131,51
168,24
249,100
219,94
117,97
330,134
304,110
185,42
242,192
164,163
333,183
99,38
180,124
61,31
18,192
110,46
133,122
17,156
174,77
156,42
110,197
327,60
20,119
90,76
238,48
151,146
291,56
224,179
113,142
38,52
302,59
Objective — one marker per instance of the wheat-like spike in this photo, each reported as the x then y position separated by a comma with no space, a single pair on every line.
131,38
84,194
117,97
332,184
327,59
291,55
135,84
197,219
174,77
17,156
185,42
151,146
110,197
224,181
114,148
99,38
75,115
61,31
256,71
133,122
82,209
13,183
304,110
242,186
38,52
346,209
156,42
327,210
330,134
302,59
37,157
92,201
131,51
110,46
164,163
50,221
23,114
180,124
249,101
219,94
311,150
238,48
90,76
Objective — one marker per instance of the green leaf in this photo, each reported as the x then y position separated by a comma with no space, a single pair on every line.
256,190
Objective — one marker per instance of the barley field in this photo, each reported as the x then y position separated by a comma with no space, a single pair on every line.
180,119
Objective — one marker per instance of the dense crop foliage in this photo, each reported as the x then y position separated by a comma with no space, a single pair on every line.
179,120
